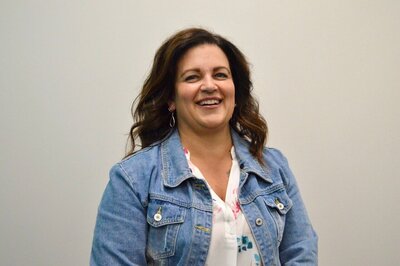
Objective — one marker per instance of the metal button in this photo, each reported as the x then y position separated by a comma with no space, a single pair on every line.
279,204
259,221
157,217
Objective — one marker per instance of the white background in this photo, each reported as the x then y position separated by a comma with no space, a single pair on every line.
326,74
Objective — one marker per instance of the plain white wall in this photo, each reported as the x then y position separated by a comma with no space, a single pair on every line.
326,74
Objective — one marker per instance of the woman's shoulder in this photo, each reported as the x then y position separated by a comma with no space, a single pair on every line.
274,155
143,153
138,165
278,164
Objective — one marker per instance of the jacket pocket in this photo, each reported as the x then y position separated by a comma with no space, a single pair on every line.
278,204
164,219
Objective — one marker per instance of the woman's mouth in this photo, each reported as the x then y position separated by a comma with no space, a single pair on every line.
209,102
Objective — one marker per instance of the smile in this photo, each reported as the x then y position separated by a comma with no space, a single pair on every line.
208,102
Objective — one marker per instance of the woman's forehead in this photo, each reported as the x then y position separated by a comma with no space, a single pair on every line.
203,56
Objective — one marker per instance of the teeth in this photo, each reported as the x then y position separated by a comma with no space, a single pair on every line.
209,102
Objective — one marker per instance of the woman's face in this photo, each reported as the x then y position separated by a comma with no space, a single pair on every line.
204,90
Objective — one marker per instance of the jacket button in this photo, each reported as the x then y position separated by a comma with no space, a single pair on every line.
259,221
280,206
157,217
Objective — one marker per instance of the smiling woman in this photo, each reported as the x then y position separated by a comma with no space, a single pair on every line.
205,92
202,188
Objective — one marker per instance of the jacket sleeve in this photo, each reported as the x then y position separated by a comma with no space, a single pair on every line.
120,232
299,244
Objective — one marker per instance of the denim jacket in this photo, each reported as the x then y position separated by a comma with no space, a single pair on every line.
155,212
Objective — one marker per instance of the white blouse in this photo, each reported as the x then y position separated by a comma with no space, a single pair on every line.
232,242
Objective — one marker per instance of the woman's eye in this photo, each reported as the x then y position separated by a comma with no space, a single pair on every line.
221,75
191,78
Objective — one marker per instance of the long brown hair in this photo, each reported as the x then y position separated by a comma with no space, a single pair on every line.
151,116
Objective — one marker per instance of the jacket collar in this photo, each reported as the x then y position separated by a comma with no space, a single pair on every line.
175,168
248,163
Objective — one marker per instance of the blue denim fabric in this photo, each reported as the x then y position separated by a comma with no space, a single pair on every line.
157,180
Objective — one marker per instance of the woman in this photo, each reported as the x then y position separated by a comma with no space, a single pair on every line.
202,189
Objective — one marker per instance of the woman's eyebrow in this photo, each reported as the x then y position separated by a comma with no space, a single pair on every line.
222,67
188,70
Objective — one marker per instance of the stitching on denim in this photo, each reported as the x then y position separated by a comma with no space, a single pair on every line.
201,207
167,221
164,164
275,223
136,153
131,181
191,248
268,190
171,251
169,199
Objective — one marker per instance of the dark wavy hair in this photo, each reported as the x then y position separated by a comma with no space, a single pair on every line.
151,116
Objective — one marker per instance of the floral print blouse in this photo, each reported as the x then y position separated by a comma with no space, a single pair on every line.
232,242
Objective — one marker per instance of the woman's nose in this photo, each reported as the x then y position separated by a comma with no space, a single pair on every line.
208,85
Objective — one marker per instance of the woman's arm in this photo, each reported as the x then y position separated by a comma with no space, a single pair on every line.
299,244
120,233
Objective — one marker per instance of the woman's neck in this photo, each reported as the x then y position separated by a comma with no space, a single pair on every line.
213,145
